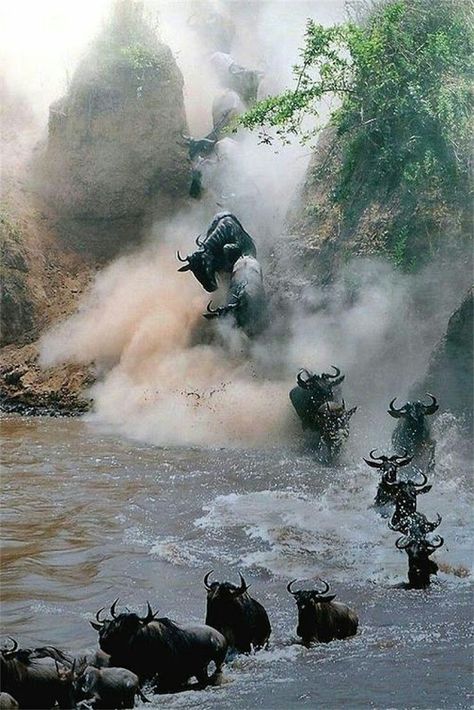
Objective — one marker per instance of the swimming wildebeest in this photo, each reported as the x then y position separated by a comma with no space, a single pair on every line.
332,428
160,649
218,250
320,618
413,433
420,567
108,687
232,611
405,494
32,680
246,299
388,467
311,392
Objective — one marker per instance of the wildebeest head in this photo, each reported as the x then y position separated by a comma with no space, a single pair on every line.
416,526
319,384
115,633
306,601
201,263
388,465
420,567
414,411
224,591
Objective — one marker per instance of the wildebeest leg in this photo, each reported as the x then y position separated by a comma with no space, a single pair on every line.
202,677
142,697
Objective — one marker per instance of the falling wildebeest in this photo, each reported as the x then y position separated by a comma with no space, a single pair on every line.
218,250
420,567
405,495
160,649
232,76
413,433
32,680
108,687
332,428
311,392
246,299
388,467
320,618
232,611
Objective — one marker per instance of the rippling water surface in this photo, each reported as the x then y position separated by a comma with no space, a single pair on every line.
88,517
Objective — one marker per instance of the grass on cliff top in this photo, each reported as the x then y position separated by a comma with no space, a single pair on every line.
403,76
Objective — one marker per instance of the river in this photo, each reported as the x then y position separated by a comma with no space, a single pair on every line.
88,516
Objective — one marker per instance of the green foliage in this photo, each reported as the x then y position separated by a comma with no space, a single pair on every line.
403,80
141,58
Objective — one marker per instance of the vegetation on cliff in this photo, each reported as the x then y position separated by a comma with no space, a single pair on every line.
392,177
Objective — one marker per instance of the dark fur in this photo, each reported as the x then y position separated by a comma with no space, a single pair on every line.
322,620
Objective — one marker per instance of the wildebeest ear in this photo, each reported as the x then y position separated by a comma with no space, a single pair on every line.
186,267
318,598
95,626
425,489
374,464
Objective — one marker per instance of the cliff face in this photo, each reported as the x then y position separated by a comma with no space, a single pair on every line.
450,369
115,140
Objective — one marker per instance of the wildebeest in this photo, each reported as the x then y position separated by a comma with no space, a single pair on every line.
7,702
108,687
240,618
160,649
225,108
246,300
413,433
311,392
32,680
388,467
224,242
320,618
332,428
405,495
235,77
416,525
420,567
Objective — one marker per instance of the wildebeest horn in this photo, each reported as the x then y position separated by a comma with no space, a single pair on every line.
186,267
435,524
376,458
197,240
374,463
401,545
393,527
150,615
402,460
210,310
299,378
439,540
324,591
338,381
337,371
14,649
290,584
180,258
100,621
112,609
243,586
424,482
396,413
433,407
206,579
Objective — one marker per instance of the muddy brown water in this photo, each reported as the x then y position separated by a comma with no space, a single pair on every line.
88,516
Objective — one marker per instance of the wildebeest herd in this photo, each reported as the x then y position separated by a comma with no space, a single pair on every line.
159,653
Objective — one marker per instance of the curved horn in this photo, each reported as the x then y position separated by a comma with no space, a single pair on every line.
400,545
424,482
397,413
197,241
439,540
337,371
149,614
299,379
180,258
376,458
289,585
339,381
433,407
15,646
210,310
243,586
112,609
324,591
100,621
393,527
435,524
403,461
206,579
